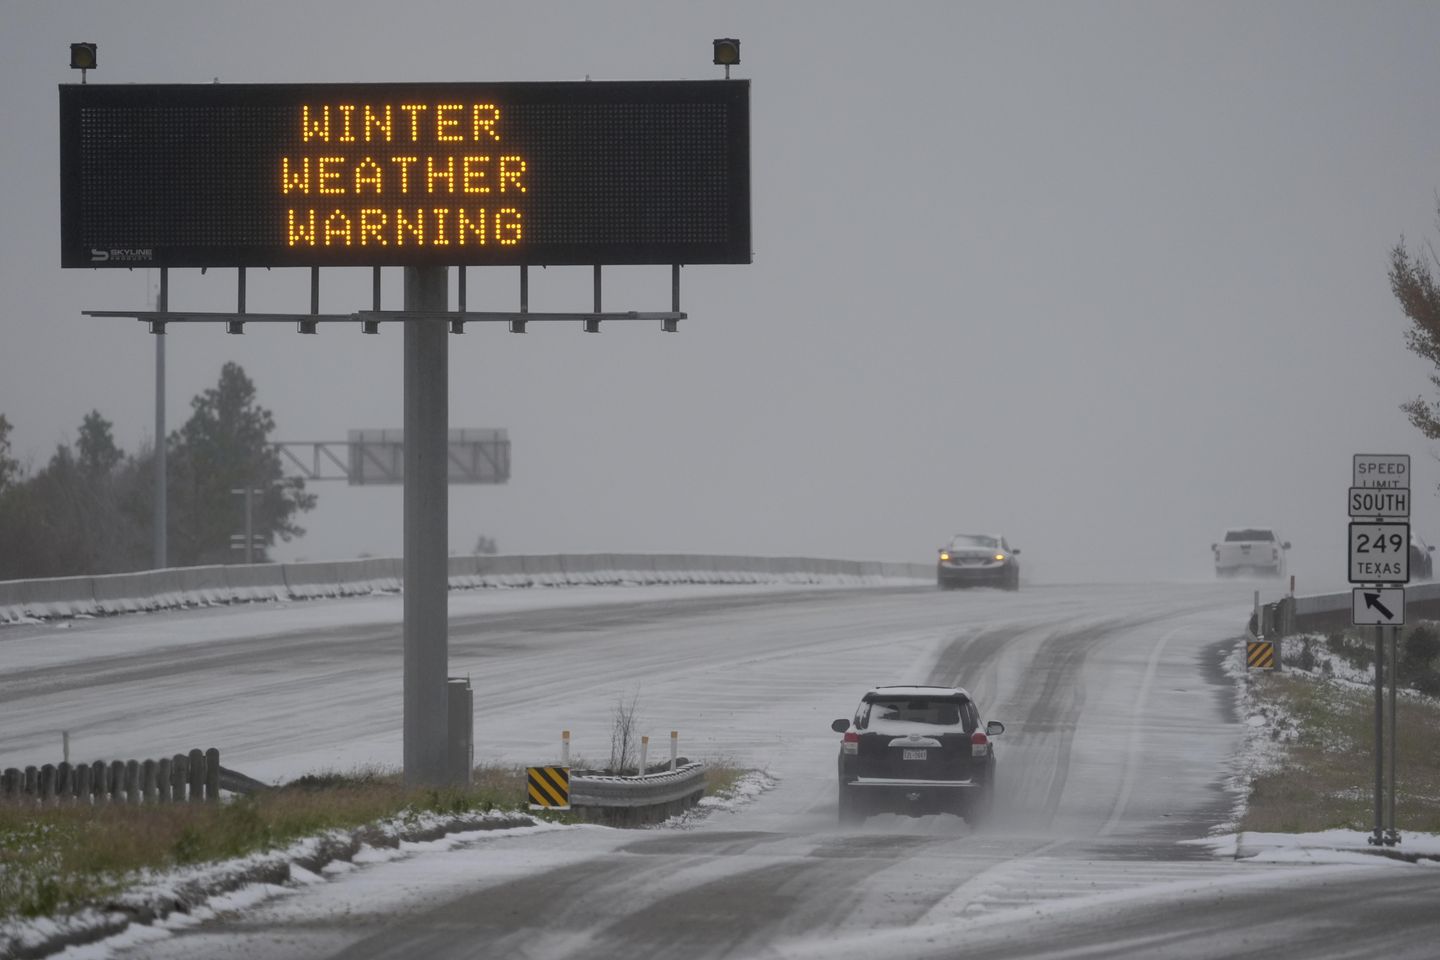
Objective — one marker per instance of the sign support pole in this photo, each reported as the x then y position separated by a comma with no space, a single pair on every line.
427,538
1392,836
162,304
1379,836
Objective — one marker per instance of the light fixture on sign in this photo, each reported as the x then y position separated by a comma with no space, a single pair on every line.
82,58
727,53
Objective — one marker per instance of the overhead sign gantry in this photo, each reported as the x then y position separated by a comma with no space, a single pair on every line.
422,176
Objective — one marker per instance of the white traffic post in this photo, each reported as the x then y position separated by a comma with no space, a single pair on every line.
564,748
644,751
674,747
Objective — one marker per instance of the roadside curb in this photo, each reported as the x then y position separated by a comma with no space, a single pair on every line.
1252,851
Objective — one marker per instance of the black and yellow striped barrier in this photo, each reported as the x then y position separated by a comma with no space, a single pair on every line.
549,788
1260,654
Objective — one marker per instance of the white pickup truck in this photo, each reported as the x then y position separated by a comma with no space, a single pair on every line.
1256,550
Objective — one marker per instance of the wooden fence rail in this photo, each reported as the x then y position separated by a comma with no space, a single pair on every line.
194,778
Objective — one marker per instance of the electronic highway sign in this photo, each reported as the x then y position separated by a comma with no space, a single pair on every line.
214,175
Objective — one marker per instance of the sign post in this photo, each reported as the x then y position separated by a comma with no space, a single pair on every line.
1380,561
423,176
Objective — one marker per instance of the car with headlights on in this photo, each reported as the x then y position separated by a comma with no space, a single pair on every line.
978,559
916,750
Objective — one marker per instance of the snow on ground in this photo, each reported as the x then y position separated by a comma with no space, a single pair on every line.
85,638
421,870
1269,729
414,882
1325,846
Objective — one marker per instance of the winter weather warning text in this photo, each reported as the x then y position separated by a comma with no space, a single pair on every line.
410,173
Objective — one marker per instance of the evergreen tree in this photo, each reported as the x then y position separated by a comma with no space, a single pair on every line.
9,468
225,446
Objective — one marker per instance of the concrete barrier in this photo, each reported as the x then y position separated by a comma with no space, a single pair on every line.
353,578
306,581
632,569
191,586
496,571
60,597
463,571
12,603
256,581
203,586
129,592
387,574
543,571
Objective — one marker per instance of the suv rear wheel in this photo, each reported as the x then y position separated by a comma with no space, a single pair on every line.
850,809
981,804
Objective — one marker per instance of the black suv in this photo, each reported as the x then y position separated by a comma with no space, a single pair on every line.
917,750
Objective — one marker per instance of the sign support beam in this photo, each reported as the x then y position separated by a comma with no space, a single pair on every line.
1392,836
427,537
162,306
1379,836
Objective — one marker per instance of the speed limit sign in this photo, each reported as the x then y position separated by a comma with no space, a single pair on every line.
1379,553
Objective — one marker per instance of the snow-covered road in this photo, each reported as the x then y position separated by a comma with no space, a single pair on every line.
1119,740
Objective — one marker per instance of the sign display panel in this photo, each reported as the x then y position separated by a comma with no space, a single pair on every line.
1380,553
1387,502
1381,606
1382,470
391,174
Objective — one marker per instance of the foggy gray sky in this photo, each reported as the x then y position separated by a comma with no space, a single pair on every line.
1104,277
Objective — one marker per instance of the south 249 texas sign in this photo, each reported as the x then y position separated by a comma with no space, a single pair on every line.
1379,545
374,174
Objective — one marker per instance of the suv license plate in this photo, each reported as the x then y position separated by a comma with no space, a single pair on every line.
912,755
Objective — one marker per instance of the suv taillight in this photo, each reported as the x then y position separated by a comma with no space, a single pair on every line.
979,744
851,743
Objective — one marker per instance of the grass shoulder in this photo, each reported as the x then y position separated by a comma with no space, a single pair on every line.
1319,714
59,859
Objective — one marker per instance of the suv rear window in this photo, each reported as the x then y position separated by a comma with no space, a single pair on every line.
923,710
1235,536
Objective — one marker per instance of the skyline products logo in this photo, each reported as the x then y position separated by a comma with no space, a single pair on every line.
122,255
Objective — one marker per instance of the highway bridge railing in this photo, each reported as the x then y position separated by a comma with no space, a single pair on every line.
1326,613
240,583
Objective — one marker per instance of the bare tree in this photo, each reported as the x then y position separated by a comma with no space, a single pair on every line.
624,734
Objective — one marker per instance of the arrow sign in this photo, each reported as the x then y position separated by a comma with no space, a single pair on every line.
1372,600
1384,606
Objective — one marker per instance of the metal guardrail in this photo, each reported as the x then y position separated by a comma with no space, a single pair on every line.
653,789
1320,613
